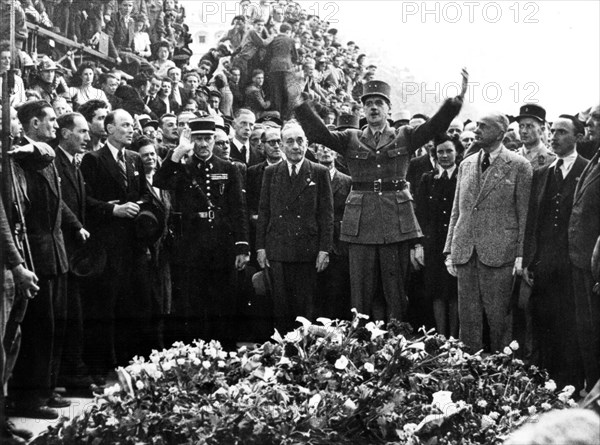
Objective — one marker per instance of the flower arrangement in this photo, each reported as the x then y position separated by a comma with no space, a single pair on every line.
334,382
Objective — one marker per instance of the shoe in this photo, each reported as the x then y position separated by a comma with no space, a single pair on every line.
32,412
58,401
19,432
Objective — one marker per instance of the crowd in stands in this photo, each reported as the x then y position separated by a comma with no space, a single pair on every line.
117,283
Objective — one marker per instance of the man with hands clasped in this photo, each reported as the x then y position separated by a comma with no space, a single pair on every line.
210,225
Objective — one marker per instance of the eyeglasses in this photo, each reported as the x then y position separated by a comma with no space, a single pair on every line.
291,141
274,142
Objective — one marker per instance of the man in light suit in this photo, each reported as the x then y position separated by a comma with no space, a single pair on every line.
546,257
484,246
116,184
584,233
295,228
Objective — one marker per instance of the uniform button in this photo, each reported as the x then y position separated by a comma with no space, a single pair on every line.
298,216
475,209
207,193
208,181
380,193
378,166
281,216
444,212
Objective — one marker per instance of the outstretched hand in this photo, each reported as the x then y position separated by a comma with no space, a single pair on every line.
465,83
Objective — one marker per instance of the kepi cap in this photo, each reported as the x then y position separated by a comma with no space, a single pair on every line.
376,88
532,110
202,126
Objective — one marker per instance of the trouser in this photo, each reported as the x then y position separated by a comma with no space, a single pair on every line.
43,332
294,287
587,313
484,290
333,289
8,353
72,359
377,278
280,83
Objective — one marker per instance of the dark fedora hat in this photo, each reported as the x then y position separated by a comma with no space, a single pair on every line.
376,88
532,110
89,260
346,121
261,281
149,223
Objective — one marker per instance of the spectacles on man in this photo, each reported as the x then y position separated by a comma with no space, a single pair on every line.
274,142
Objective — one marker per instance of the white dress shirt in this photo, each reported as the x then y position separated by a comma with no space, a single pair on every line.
568,162
298,166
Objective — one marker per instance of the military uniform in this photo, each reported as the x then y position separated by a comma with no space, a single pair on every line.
379,221
210,226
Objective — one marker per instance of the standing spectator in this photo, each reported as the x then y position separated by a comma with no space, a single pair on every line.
333,284
466,138
255,95
252,43
379,221
211,223
532,120
84,89
280,59
484,246
433,208
584,233
241,150
17,95
174,73
295,228
46,82
38,364
73,138
455,129
115,184
236,34
95,112
546,257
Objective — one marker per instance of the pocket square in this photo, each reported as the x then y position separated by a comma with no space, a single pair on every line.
136,173
310,184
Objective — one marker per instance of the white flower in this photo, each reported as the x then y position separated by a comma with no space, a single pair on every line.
569,390
341,363
357,315
374,330
112,421
442,399
564,397
349,406
494,415
110,390
482,403
305,323
514,345
206,364
505,408
324,321
314,401
532,410
507,350
550,385
221,364
369,368
486,422
139,384
181,361
409,428
546,406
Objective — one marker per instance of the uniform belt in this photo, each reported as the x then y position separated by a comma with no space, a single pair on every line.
193,215
380,186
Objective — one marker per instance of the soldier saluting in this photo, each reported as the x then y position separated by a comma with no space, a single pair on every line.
210,222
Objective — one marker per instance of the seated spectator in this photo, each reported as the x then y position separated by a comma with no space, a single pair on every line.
84,91
140,40
163,102
46,83
214,101
61,106
119,29
109,82
255,96
162,63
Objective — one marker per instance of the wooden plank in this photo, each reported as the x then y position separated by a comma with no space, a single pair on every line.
68,42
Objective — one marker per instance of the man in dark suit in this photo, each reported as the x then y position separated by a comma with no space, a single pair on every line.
36,369
241,150
254,98
333,285
73,138
546,255
379,221
280,60
116,185
163,103
211,225
484,247
420,165
584,232
295,228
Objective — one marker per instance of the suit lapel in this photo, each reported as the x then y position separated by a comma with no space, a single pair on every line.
335,182
69,170
586,178
111,165
497,171
301,182
543,187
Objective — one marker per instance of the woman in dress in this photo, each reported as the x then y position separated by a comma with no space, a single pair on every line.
85,91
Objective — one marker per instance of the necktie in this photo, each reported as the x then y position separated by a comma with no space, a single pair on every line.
244,151
376,138
122,167
558,172
445,175
294,172
76,162
485,163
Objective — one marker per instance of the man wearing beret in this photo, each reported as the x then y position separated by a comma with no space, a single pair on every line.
210,220
532,119
379,221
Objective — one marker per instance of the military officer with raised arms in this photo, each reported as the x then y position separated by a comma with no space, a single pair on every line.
379,221
211,229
